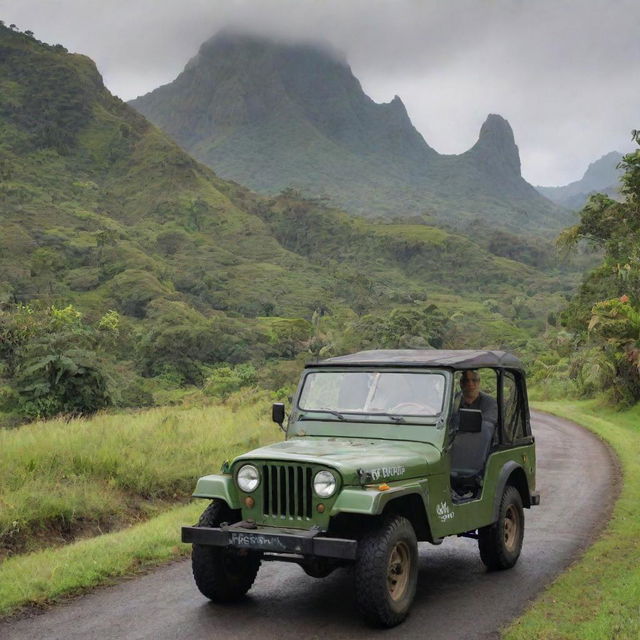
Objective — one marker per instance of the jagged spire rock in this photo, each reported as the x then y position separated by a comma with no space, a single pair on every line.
497,147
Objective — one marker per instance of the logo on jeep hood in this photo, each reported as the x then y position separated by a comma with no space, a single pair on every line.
385,472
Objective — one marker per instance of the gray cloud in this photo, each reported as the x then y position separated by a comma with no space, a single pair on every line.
563,72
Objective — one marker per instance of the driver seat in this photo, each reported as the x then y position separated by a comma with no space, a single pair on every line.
469,455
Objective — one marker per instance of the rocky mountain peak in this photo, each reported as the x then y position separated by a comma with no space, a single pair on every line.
294,95
496,128
496,145
603,172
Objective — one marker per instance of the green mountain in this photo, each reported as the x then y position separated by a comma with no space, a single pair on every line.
602,176
273,115
176,270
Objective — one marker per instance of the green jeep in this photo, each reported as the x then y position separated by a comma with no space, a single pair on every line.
380,453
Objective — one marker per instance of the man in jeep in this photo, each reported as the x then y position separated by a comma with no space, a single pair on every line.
472,398
470,451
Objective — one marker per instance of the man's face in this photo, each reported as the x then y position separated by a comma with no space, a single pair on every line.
470,385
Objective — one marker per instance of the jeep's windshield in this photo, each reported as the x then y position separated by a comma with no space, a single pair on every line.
373,392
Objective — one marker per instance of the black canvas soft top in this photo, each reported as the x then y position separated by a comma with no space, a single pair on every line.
453,359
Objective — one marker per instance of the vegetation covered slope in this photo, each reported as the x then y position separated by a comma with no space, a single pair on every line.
96,199
272,115
123,260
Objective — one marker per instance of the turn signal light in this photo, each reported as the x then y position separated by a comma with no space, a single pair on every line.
320,508
249,501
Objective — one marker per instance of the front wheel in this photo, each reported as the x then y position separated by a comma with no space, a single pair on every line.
386,572
222,574
500,543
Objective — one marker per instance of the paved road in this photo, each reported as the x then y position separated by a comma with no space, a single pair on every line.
456,598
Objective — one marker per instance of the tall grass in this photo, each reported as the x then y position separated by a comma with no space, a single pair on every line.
58,477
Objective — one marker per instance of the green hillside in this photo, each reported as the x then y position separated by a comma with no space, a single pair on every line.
125,262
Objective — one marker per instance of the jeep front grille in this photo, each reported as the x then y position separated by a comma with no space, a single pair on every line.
286,491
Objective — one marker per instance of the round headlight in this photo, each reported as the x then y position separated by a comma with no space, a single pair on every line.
248,478
324,484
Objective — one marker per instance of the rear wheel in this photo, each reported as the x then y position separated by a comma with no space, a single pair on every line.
500,543
386,572
222,574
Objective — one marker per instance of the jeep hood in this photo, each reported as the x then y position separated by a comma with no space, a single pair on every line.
379,460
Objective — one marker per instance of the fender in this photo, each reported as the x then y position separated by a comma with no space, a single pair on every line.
373,501
218,486
505,473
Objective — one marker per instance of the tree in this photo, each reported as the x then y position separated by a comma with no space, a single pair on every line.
288,336
606,311
56,378
50,358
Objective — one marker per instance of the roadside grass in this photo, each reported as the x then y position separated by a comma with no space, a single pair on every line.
44,576
62,479
598,597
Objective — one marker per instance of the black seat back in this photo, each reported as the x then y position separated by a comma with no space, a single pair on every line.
470,451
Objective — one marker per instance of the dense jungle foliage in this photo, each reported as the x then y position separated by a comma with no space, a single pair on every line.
131,275
599,348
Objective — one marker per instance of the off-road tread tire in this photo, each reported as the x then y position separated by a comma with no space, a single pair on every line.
372,595
208,563
493,552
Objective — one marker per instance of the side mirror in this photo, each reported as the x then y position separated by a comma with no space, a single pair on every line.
277,413
470,421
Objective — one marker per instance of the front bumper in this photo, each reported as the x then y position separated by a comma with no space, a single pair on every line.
273,540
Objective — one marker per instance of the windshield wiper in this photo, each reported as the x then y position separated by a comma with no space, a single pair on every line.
388,415
331,411
395,418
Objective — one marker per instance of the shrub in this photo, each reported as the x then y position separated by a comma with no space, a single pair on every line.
225,380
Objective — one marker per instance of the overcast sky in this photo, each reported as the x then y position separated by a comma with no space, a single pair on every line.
565,73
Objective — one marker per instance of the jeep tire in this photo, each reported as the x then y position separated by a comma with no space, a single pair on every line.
500,543
222,574
386,571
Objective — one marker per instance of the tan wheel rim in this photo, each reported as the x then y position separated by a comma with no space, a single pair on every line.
398,570
511,528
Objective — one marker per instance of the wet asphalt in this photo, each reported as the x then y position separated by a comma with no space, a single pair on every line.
456,597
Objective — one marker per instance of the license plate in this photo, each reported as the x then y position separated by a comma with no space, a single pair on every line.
264,542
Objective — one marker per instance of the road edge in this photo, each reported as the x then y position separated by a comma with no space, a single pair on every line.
564,608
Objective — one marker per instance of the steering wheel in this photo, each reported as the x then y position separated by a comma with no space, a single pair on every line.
423,408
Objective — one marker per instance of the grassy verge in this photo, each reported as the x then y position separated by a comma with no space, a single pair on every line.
60,480
44,576
599,596
115,471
